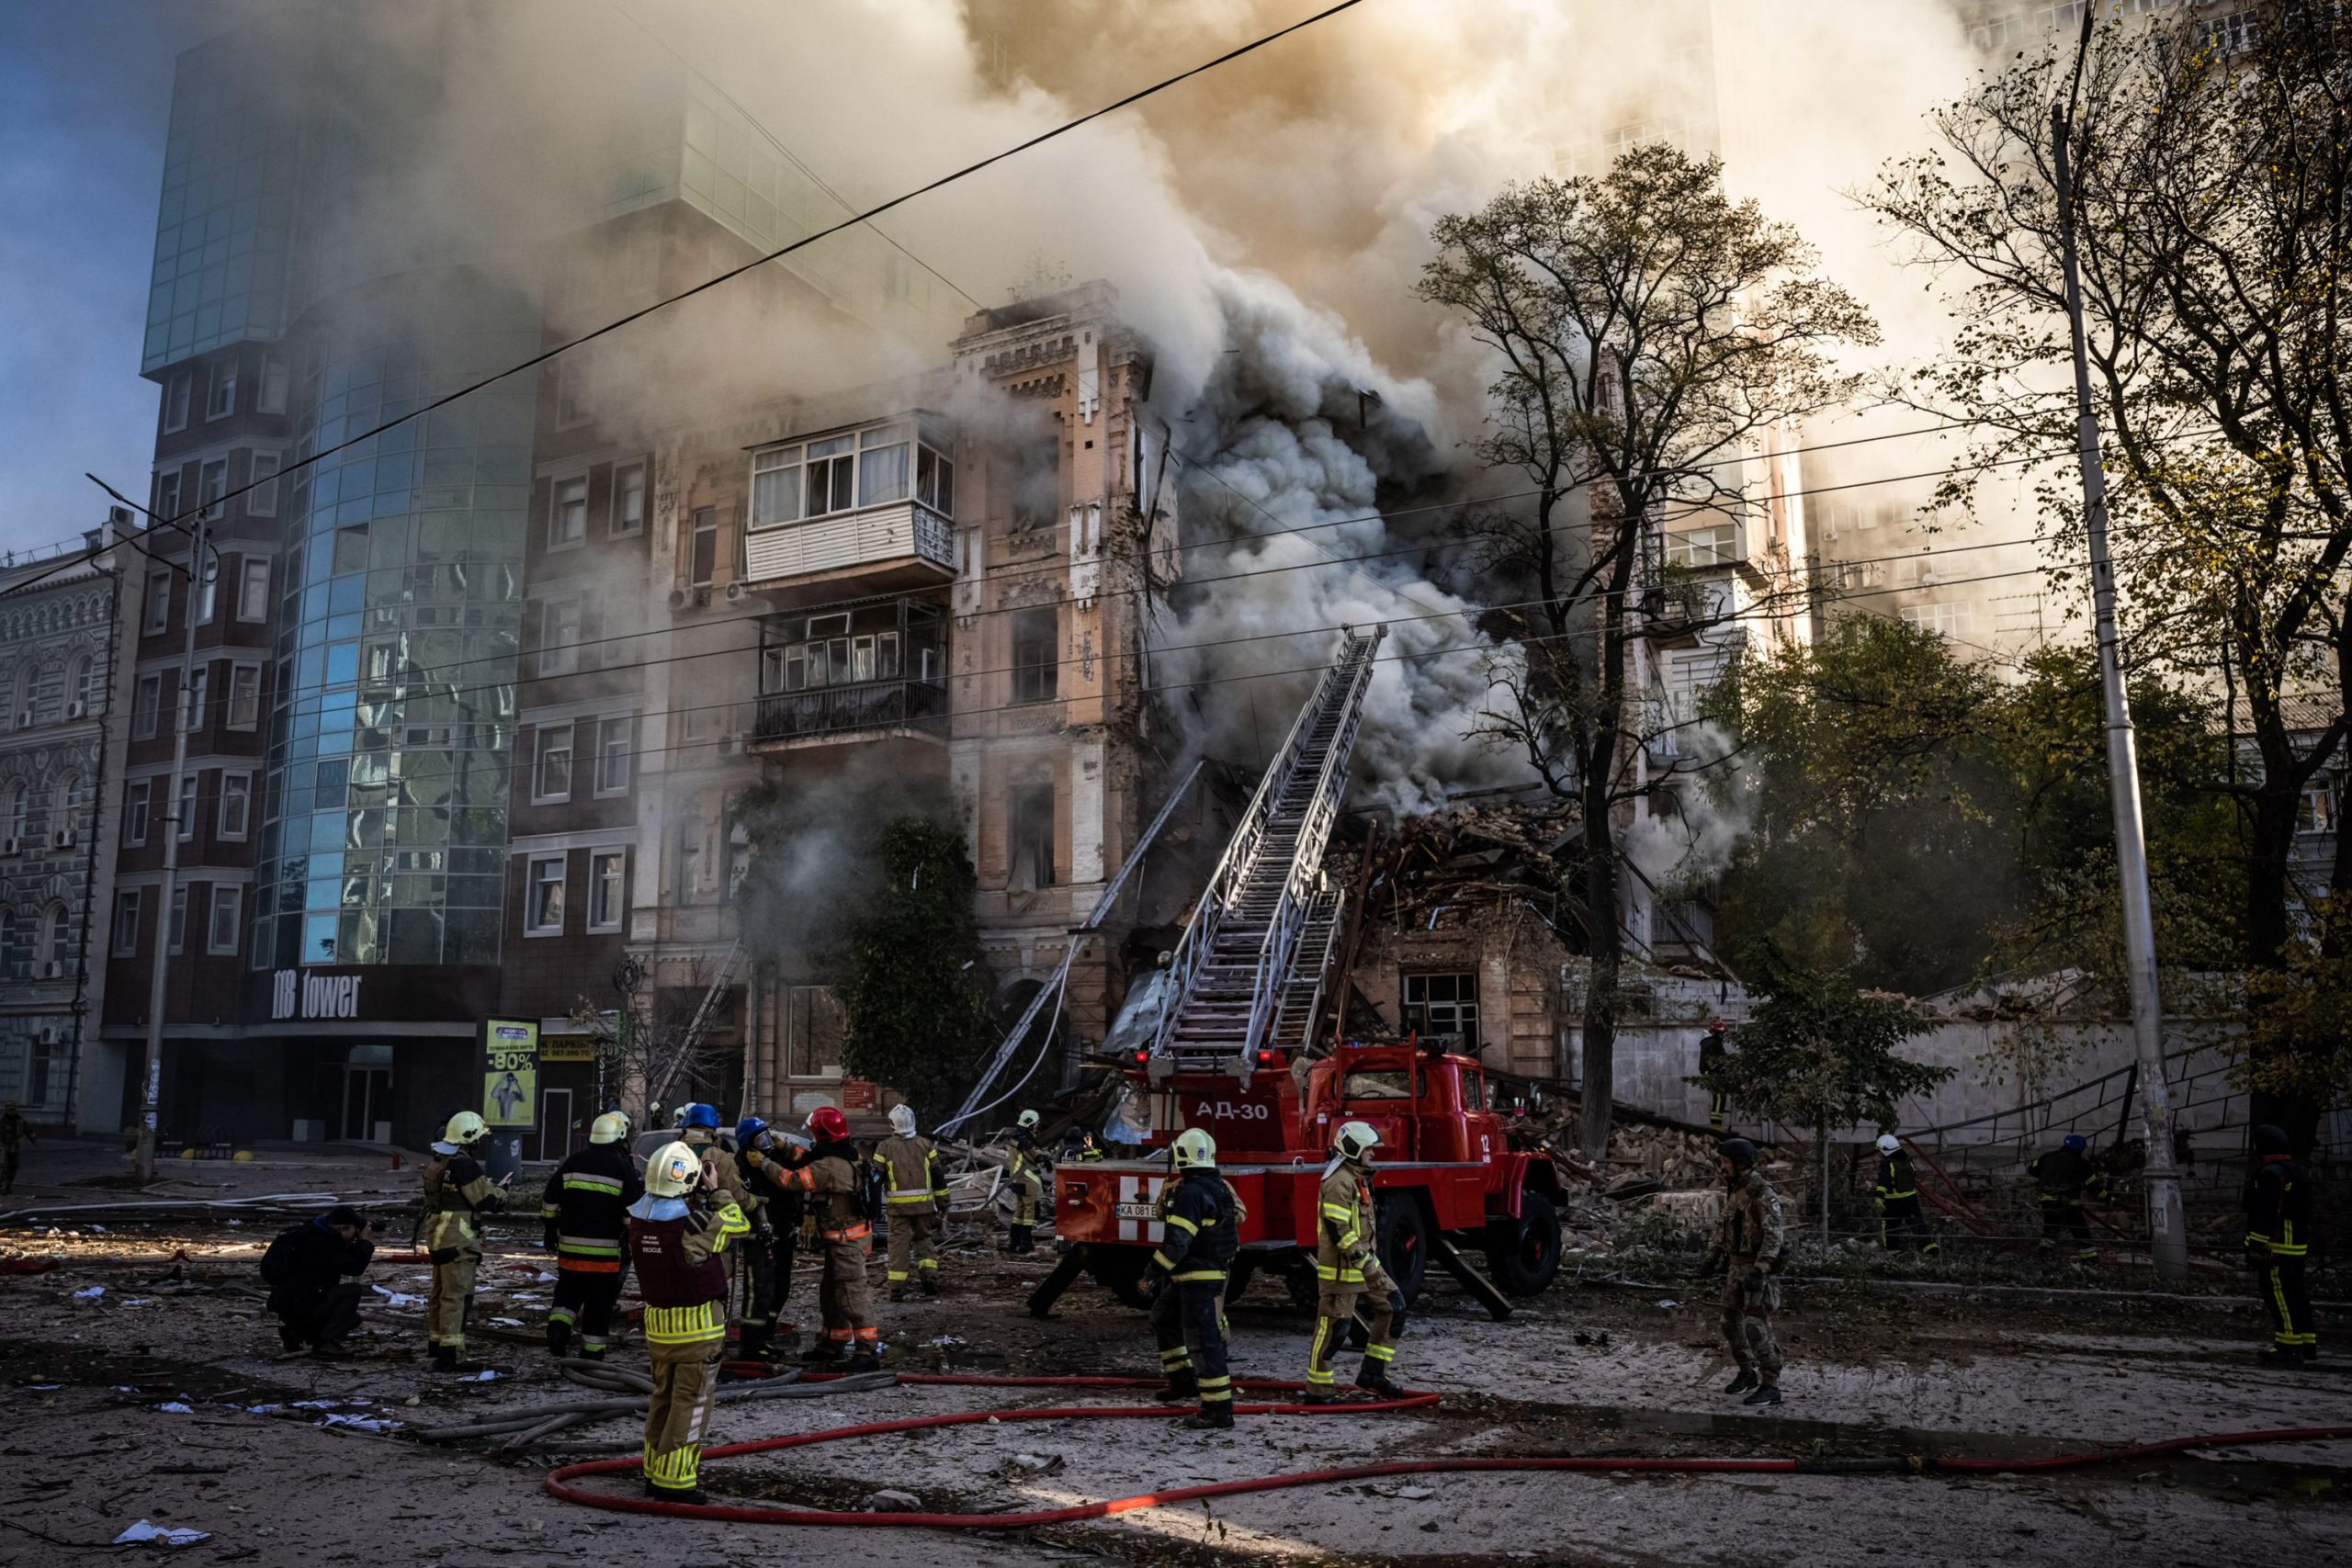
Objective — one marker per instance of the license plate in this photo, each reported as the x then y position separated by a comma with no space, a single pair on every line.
1138,1210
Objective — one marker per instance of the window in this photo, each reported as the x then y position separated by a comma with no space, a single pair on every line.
1032,833
192,707
82,684
244,696
2232,34
2316,812
1037,486
221,396
1944,620
253,590
832,476
12,967
935,481
126,923
704,562
134,810
1036,632
207,590
613,749
167,494
176,401
179,919
20,812
221,935
1442,1004
628,500
69,799
212,483
559,636
551,773
22,709
543,898
606,896
1395,1084
1473,1090
236,804
775,487
567,513
146,705
261,499
1718,545
882,465
273,385
188,805
159,598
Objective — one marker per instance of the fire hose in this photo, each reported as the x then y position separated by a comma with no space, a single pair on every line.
559,1481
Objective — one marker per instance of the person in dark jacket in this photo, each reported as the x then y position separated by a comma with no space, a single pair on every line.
1201,1225
2062,1180
2278,1243
312,1270
1901,1221
586,1211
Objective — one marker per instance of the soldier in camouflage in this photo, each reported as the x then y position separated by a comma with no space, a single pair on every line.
1747,1246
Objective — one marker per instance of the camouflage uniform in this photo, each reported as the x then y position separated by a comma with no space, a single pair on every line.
1750,1238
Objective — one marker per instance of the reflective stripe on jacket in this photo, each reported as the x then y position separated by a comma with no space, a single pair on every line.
1343,1229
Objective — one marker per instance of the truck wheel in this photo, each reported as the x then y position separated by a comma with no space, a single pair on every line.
1523,1255
1404,1242
1119,1269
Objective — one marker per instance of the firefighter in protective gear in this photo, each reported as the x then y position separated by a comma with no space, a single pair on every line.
767,1251
1348,1272
1901,1221
2062,1180
914,1196
698,1130
1748,1247
2277,1245
585,1213
835,1189
456,1192
1200,1236
1024,1173
676,1232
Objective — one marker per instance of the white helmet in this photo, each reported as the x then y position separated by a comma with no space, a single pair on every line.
1888,1143
1196,1150
902,1119
1026,1119
465,1127
675,1171
609,1128
1355,1140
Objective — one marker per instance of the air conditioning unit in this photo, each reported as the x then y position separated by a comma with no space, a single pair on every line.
77,710
734,591
10,846
24,718
679,598
730,745
62,838
702,595
51,969
52,1035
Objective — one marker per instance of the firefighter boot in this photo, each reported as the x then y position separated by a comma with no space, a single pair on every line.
897,1292
864,1362
1768,1393
825,1350
1743,1382
558,1340
751,1345
676,1494
445,1360
1372,1377
929,1281
1217,1417
1183,1388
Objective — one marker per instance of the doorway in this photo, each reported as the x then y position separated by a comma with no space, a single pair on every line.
555,1123
367,1095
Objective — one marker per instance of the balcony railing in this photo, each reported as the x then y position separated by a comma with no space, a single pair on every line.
899,535
828,712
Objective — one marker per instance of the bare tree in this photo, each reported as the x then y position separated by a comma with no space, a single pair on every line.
648,1049
1650,333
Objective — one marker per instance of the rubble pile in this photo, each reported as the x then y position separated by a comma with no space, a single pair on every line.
1451,867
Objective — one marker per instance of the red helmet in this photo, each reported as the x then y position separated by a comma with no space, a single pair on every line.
827,1122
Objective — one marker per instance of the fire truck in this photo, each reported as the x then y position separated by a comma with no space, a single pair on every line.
1245,1047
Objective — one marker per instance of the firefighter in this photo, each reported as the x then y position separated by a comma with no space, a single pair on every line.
1200,1236
1901,1221
1747,1246
457,1194
585,1214
2278,1243
15,1132
699,1129
831,1181
1081,1148
1348,1271
676,1231
768,1163
2061,1179
914,1196
1025,1173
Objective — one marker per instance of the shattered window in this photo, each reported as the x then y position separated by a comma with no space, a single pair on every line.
1441,1004
1377,1085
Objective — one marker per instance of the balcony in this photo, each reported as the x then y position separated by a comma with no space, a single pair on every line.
903,545
852,671
789,720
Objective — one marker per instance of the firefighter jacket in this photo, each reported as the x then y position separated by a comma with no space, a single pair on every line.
831,1181
911,1178
2065,1176
2279,1209
674,1248
456,1191
1896,1181
704,1141
1345,1242
586,1207
768,1173
1201,1228
1025,1164
1752,1233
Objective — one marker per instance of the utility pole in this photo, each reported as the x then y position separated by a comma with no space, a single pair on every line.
2167,1231
150,1069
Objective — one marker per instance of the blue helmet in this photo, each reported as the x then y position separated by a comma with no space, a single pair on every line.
2075,1141
748,1131
699,1116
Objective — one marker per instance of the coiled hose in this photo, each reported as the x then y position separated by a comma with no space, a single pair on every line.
559,1481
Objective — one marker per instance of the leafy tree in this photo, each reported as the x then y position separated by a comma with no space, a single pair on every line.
1647,332
1818,1052
918,1018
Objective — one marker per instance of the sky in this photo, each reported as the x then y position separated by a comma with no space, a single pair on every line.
88,84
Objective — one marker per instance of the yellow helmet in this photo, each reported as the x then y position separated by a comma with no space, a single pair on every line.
675,1171
465,1127
1196,1150
1356,1139
609,1128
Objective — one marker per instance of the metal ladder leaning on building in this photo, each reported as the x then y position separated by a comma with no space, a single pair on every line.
1248,972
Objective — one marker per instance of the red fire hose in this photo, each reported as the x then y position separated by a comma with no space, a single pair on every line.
557,1480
